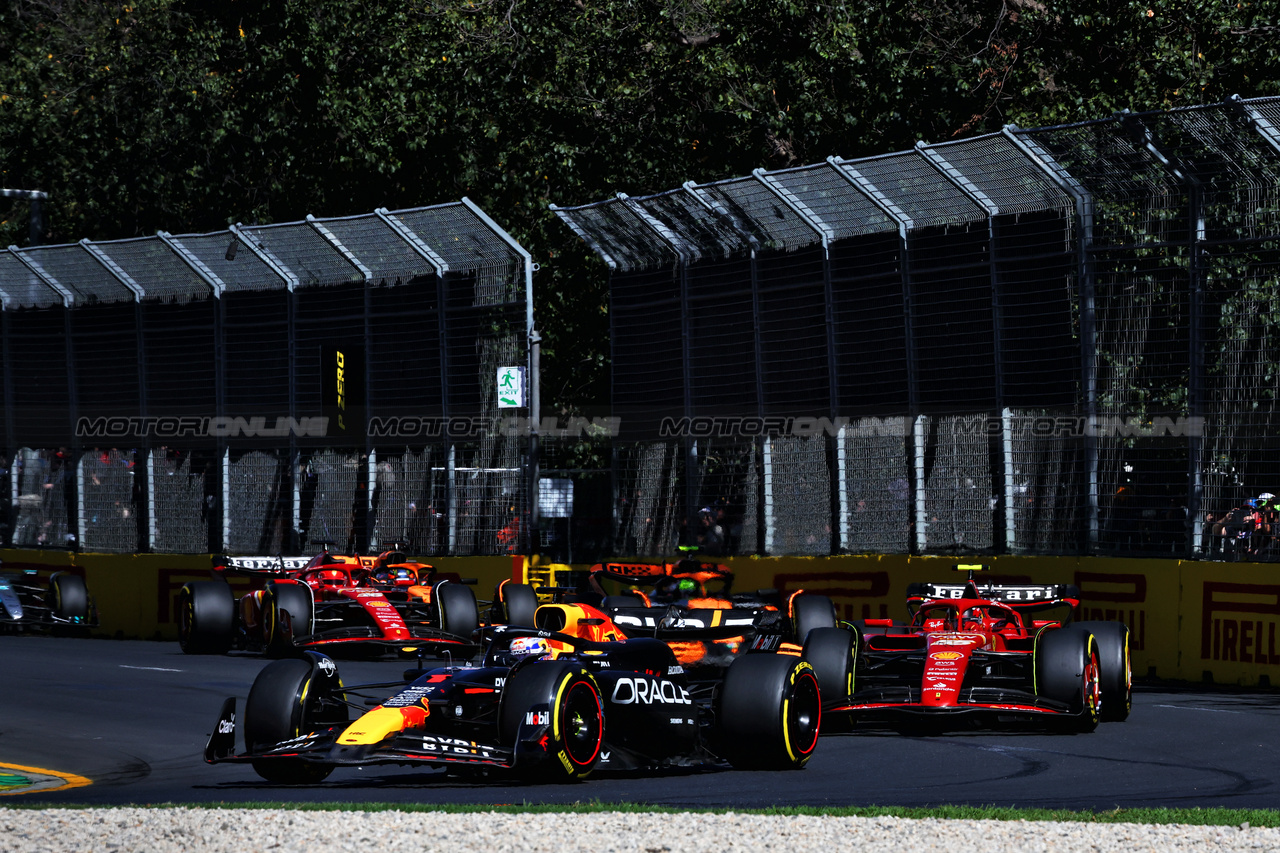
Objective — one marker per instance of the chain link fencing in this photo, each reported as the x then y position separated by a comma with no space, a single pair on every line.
1059,340
270,388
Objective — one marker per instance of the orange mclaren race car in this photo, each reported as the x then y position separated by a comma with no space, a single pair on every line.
980,655
555,701
362,604
691,605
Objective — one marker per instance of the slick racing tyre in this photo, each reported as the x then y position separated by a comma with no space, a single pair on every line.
68,597
833,654
206,618
278,632
456,608
518,602
574,719
768,712
1067,670
809,612
1117,672
290,698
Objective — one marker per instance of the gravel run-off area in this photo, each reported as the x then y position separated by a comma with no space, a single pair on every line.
125,830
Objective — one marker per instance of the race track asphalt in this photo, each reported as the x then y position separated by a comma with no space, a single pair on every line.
133,717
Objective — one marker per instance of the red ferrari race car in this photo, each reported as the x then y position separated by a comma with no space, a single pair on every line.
361,604
553,702
978,655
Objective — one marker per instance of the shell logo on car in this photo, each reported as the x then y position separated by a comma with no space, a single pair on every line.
946,655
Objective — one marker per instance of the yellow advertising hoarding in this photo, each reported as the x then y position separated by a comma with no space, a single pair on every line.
1190,621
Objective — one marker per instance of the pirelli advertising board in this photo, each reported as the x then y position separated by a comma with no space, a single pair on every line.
1189,621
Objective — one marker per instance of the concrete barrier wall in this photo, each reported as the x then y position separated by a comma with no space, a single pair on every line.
1190,621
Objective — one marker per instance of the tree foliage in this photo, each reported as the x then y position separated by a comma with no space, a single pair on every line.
186,116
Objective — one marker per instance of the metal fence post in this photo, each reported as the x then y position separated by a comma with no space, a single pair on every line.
1001,448
1088,314
837,460
905,224
682,268
534,354
1195,312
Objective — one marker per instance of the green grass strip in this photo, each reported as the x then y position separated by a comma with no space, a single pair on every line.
1194,817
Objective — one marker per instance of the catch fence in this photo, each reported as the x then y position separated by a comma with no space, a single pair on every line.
269,389
1057,340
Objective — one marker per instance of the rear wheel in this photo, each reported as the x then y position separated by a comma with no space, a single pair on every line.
206,618
456,606
809,612
768,712
1116,676
289,699
70,597
575,722
1067,670
832,652
299,602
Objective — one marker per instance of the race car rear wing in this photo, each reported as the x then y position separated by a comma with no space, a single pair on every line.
260,565
642,572
1011,594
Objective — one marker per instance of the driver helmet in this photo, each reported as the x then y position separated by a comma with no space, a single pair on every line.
333,578
525,646
687,587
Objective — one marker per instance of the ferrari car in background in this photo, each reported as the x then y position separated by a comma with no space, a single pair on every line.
58,601
552,702
364,605
976,655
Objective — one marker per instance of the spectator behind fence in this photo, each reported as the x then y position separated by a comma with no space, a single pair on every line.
1266,517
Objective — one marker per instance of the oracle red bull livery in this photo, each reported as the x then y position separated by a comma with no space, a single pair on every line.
359,604
977,655
554,702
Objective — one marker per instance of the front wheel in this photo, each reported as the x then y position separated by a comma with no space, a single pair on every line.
290,698
564,699
833,654
810,611
1116,675
456,608
70,596
1067,670
518,603
280,632
768,712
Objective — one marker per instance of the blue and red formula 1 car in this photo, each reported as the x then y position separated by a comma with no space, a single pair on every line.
554,701
976,655
358,604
